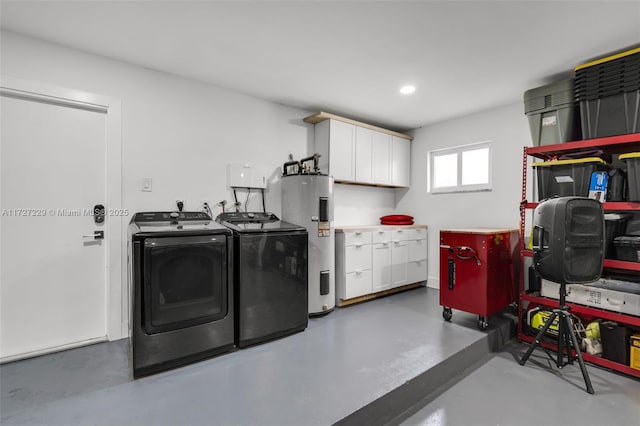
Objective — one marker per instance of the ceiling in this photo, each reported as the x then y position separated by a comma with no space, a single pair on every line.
347,57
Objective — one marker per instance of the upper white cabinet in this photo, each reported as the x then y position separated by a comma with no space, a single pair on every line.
336,143
380,155
355,152
364,155
400,162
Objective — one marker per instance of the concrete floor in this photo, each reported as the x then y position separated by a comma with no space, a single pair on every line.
501,392
379,362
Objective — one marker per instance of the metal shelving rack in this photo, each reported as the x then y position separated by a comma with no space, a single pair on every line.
610,145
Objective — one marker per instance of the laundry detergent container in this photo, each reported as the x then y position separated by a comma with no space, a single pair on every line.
564,178
552,113
608,93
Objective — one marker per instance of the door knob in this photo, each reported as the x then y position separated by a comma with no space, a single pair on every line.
97,235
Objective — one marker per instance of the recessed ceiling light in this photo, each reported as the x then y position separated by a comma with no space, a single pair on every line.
407,90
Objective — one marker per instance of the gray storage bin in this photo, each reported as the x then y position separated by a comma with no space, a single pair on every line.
608,92
552,113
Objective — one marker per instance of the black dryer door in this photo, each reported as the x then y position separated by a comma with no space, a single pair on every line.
185,282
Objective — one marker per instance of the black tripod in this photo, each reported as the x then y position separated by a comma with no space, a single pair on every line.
566,339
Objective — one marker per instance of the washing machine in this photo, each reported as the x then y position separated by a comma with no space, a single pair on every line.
181,286
271,277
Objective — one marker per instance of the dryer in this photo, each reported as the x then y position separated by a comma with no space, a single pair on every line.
181,286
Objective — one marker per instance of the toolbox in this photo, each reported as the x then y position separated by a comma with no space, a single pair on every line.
477,273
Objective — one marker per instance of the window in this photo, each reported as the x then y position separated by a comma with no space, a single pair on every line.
460,169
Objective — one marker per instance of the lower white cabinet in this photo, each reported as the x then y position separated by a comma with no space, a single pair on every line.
381,260
372,259
399,260
417,264
353,264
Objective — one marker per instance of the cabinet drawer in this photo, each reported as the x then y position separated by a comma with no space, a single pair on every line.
417,249
401,234
417,234
380,236
357,258
357,237
357,284
416,271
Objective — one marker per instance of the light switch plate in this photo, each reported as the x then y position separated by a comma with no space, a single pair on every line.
147,184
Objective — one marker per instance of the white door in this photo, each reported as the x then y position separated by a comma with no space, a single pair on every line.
399,259
381,158
400,162
363,155
53,289
417,266
381,266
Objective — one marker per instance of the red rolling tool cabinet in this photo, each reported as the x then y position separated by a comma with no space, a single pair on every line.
477,271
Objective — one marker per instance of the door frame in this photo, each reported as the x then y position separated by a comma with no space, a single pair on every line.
116,297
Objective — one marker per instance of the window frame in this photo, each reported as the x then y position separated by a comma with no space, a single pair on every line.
459,187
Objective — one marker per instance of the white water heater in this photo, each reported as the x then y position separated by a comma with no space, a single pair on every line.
307,200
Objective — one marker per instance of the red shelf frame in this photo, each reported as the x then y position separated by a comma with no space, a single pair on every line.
610,145
608,263
590,358
584,310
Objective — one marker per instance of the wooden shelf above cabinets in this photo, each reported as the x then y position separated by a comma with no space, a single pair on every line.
322,116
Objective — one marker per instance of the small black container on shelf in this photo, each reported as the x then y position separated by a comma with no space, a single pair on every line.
614,226
615,342
632,159
608,92
627,248
617,182
632,225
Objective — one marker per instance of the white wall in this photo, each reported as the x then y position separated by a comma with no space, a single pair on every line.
362,205
182,133
179,132
507,128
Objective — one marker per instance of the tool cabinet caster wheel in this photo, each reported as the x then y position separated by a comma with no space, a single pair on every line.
447,314
482,323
